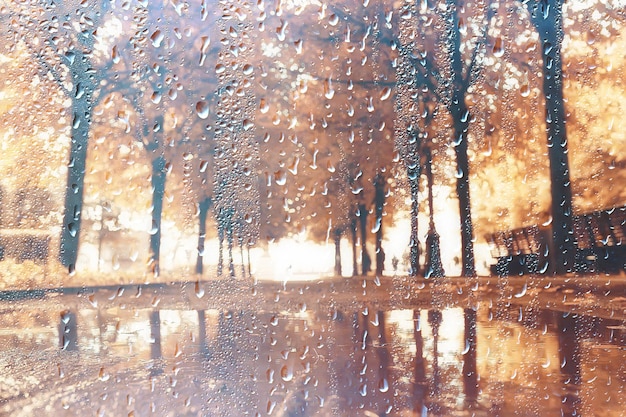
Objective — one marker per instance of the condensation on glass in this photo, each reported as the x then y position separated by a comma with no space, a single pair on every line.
297,207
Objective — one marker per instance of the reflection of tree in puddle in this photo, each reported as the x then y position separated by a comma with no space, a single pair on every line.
295,362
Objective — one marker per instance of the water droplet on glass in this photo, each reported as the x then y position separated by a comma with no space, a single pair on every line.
202,109
286,373
71,56
329,92
248,69
280,30
280,177
270,406
154,229
524,90
157,38
247,124
115,55
199,290
498,47
385,94
263,106
377,224
383,385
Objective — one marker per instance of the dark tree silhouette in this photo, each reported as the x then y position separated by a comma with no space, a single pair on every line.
203,208
547,18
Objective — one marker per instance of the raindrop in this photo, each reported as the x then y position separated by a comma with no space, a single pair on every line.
280,30
524,90
206,41
298,45
220,68
247,124
103,375
280,177
467,348
363,390
329,92
157,38
71,56
202,108
248,69
333,19
385,94
377,225
115,55
156,97
263,106
383,385
270,406
370,104
522,292
154,229
198,290
498,47
293,168
286,373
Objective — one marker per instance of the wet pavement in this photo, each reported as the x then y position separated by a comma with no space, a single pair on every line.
393,346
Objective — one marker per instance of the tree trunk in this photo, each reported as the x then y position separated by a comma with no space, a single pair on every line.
220,259
158,192
230,240
249,262
353,226
337,238
414,248
204,206
379,202
241,254
569,336
546,16
82,106
460,116
470,371
419,368
433,266
366,261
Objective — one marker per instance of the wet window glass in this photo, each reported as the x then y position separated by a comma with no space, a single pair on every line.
312,208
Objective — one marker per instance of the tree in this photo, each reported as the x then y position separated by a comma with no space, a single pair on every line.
68,53
333,129
546,16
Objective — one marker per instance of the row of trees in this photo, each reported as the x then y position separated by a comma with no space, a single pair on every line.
300,118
